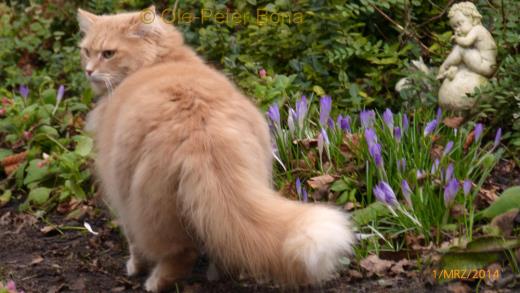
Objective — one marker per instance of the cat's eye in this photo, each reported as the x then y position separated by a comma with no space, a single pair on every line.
87,53
107,54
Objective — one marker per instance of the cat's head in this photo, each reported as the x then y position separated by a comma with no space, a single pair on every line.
115,46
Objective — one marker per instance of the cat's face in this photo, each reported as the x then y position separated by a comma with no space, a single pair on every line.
115,46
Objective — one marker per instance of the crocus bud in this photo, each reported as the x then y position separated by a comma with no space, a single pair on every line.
27,135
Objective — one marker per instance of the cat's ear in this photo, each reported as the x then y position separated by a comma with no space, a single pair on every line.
85,20
146,24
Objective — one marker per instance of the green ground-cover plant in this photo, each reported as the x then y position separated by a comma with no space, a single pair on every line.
47,127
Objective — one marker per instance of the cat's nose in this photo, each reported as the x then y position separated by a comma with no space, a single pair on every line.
89,72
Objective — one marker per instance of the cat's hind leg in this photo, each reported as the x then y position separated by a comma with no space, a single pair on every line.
170,269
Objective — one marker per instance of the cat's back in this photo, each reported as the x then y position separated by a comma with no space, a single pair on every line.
166,102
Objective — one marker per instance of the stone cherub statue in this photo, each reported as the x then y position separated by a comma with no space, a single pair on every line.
472,60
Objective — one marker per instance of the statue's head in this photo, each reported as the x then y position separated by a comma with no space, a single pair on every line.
463,17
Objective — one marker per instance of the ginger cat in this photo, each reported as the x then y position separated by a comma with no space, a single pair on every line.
185,160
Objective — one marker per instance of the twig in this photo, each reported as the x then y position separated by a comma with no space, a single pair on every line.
401,28
438,15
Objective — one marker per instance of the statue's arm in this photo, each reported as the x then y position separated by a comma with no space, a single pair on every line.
468,40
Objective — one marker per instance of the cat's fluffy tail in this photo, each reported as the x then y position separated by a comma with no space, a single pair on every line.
246,226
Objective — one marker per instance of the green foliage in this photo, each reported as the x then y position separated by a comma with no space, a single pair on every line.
501,98
510,199
49,130
355,51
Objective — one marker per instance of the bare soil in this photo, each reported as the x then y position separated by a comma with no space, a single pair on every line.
41,259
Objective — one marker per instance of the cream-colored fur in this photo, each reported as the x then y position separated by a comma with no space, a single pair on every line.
185,160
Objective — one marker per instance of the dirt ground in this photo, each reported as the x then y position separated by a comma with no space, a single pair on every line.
42,259
78,261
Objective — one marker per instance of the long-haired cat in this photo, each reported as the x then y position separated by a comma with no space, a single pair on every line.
185,160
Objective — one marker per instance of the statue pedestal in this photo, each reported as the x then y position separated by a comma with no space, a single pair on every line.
452,94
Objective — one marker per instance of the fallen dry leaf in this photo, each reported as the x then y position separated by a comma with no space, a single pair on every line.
458,287
374,265
322,192
493,269
485,197
416,242
66,207
469,140
56,288
506,221
306,142
453,122
399,267
78,284
48,229
350,142
436,151
320,181
5,219
36,260
355,274
458,210
12,162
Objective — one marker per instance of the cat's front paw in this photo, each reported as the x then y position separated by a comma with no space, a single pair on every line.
134,266
131,267
152,284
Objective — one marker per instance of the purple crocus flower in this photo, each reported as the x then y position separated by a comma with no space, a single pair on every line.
397,134
345,124
384,193
449,172
439,114
479,128
370,136
388,118
274,114
420,174
325,136
435,166
325,106
290,120
301,111
367,118
330,123
375,151
24,91
466,186
430,127
305,195
447,148
406,123
498,137
407,191
450,191
61,92
298,187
